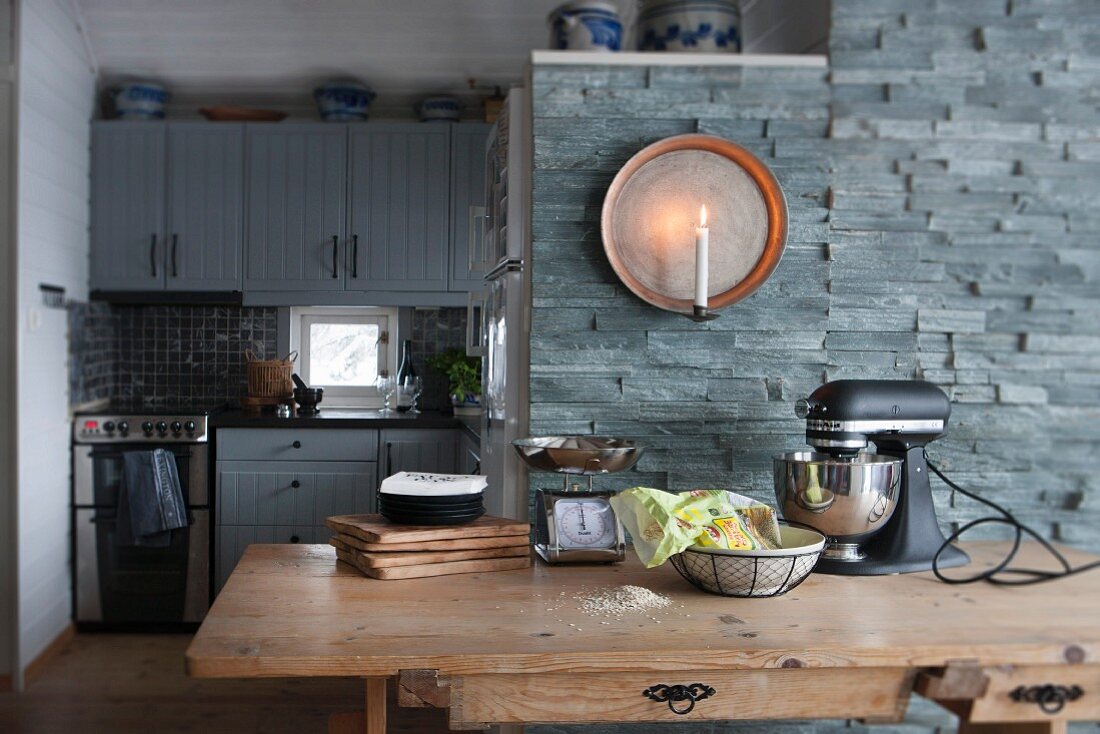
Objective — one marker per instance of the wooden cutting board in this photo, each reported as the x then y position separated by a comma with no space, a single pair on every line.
377,529
418,558
434,569
503,541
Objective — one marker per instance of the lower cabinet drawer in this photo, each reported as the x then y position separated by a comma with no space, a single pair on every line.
873,693
297,444
1014,693
231,542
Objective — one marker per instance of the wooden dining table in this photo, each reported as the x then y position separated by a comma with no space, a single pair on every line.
524,646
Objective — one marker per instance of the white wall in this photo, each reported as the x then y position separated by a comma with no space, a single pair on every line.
56,93
7,346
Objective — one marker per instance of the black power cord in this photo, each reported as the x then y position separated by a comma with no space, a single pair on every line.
1026,575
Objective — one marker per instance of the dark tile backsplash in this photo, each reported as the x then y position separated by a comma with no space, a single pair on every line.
435,331
164,354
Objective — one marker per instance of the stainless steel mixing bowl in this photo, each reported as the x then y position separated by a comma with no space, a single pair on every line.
583,455
848,499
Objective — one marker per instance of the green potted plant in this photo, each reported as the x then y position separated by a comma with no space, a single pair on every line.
464,374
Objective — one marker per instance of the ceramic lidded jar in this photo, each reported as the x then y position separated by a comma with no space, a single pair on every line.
586,25
441,108
704,26
142,100
343,101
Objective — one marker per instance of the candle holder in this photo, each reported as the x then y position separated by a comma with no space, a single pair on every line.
701,314
655,198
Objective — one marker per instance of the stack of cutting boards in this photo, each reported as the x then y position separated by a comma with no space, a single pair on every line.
382,549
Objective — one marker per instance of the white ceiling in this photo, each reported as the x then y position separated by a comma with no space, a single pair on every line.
273,50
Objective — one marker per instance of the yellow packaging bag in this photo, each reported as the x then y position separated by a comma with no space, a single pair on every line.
664,523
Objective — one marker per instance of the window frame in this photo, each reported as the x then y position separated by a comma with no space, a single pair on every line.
301,318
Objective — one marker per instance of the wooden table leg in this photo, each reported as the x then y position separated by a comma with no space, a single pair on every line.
1036,727
371,721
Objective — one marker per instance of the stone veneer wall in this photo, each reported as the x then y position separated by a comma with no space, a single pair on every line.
942,177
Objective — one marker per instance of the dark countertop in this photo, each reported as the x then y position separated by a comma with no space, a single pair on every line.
346,418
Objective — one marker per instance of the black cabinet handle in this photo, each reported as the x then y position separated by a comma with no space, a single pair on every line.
153,253
678,694
297,444
1050,698
175,242
355,256
294,538
335,248
389,459
295,484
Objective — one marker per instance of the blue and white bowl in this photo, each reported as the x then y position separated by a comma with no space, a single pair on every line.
140,101
704,26
439,109
586,25
343,101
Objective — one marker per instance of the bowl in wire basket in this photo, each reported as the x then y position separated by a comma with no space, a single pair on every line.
752,573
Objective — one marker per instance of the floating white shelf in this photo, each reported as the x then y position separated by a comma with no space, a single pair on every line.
654,58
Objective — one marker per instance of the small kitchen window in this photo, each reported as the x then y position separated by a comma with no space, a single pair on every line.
344,350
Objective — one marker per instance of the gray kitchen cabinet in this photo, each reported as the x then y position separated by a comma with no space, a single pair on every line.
231,542
467,202
127,206
468,454
204,238
399,207
296,194
418,449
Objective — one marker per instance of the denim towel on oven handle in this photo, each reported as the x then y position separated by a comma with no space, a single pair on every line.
151,499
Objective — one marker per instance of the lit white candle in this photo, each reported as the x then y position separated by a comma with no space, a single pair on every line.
702,257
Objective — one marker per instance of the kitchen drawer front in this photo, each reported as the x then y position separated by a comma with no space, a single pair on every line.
873,693
292,493
231,542
998,704
297,444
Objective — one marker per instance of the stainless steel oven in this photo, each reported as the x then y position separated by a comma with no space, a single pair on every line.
120,584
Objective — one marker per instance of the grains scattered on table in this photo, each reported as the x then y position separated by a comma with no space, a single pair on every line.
620,600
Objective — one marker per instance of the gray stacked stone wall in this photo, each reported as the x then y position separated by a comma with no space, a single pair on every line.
943,177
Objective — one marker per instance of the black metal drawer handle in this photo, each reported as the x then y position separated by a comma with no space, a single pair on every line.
153,253
335,252
672,695
355,256
297,444
295,484
1049,697
175,244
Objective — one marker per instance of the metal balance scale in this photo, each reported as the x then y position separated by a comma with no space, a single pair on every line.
574,525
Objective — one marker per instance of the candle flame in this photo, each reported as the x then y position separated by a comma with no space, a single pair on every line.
703,215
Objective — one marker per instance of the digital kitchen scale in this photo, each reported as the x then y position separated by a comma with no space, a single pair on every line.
574,525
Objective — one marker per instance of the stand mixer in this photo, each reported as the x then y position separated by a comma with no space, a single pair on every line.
875,508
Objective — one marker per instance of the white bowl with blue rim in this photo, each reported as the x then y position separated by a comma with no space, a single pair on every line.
702,26
140,101
441,108
586,25
343,101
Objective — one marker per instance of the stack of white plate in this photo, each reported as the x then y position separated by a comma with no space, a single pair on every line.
420,498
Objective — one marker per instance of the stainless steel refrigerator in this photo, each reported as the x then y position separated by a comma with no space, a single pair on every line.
499,316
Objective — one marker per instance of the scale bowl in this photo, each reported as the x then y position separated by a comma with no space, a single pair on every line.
578,455
846,499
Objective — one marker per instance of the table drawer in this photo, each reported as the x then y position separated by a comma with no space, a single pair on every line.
999,704
297,444
872,693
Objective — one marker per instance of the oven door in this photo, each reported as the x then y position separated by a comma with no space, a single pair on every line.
97,473
120,584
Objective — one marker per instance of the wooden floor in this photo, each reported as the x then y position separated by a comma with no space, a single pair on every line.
136,683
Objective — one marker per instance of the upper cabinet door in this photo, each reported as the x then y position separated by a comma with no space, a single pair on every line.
400,207
205,234
127,242
467,202
296,195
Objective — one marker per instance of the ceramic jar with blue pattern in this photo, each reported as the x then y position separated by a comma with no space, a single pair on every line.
586,25
140,101
706,26
443,108
343,101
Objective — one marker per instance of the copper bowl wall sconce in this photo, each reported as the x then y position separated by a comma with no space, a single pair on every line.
693,224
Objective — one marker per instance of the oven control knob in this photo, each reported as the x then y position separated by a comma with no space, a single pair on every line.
176,427
147,428
123,427
109,426
189,426
162,427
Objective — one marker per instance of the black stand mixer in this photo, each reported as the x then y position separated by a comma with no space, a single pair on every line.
875,508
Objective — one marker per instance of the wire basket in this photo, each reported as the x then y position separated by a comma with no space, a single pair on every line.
753,573
270,378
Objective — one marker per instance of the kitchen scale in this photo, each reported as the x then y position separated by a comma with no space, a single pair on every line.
574,525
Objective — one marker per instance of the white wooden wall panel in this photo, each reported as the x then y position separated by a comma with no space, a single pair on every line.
8,298
56,100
